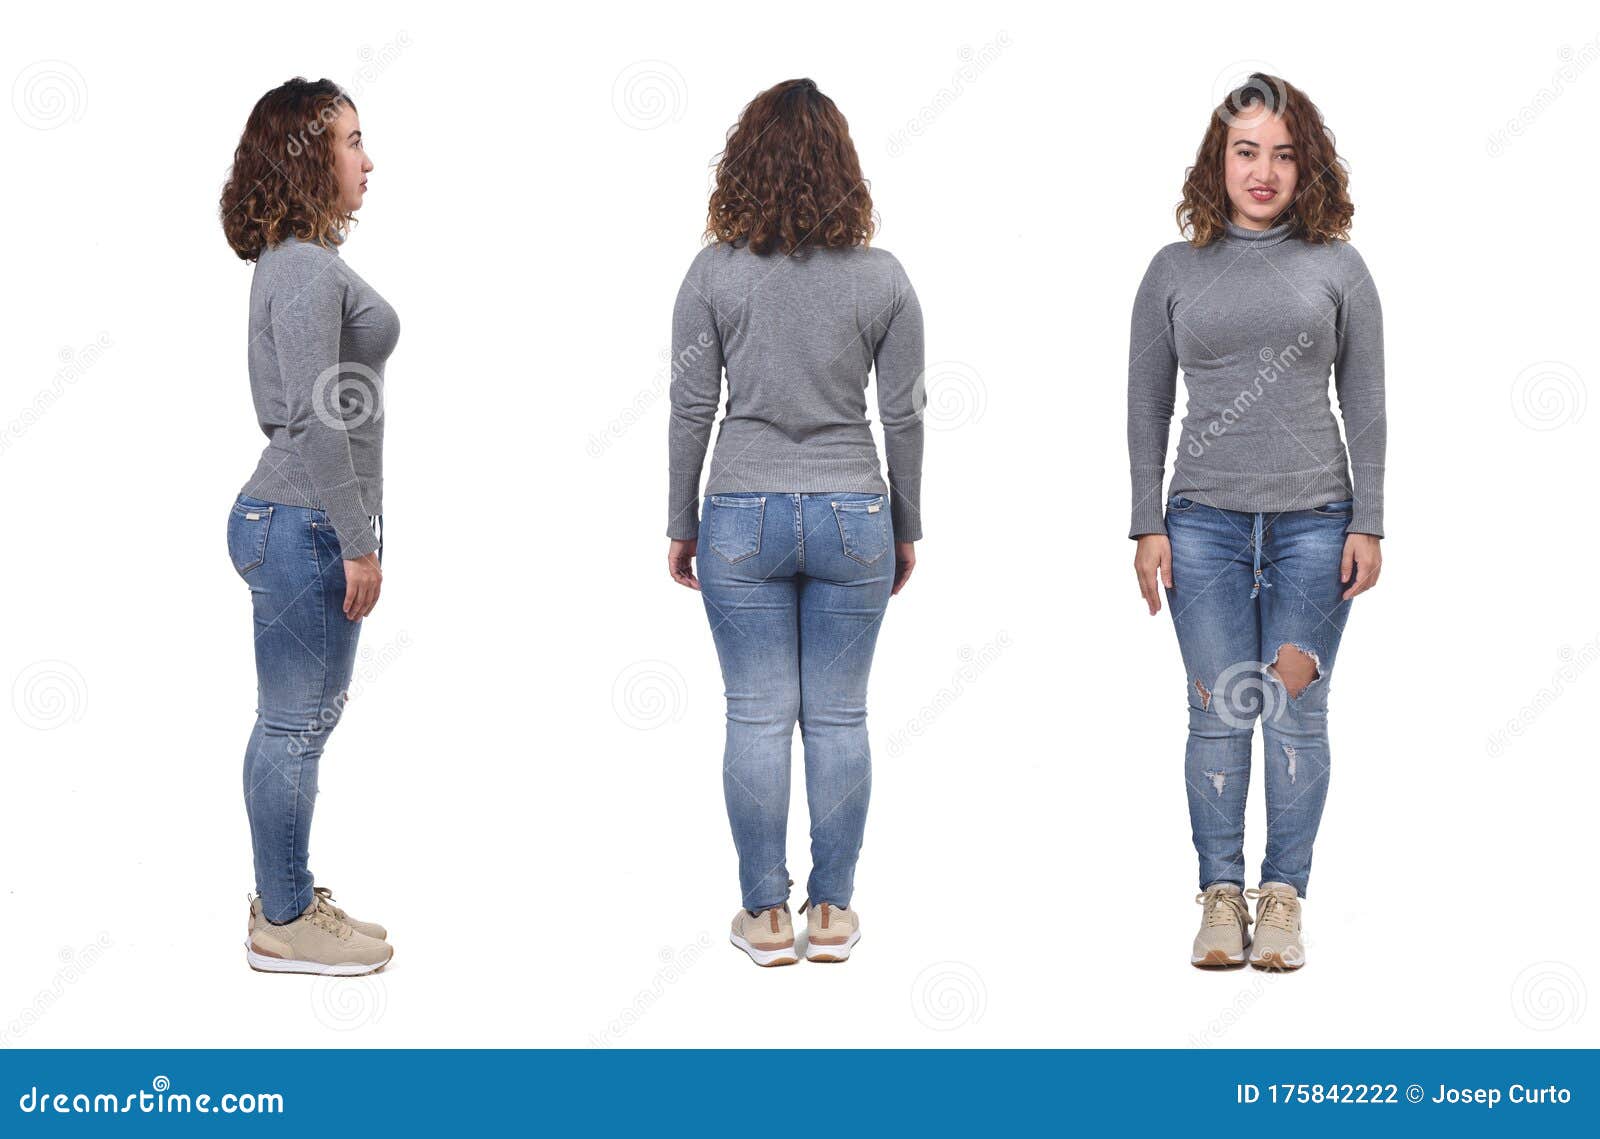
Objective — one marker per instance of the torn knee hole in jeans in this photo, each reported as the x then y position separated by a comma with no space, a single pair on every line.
1296,668
1205,700
1219,779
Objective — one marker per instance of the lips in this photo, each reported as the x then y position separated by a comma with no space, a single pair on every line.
1262,194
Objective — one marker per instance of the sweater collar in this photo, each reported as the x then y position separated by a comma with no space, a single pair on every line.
1260,238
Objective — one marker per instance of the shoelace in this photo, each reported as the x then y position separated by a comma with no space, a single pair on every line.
324,917
327,897
1278,909
1223,907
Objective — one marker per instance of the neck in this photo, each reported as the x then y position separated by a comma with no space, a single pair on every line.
1269,235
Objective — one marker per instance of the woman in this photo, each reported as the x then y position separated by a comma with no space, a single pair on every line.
799,542
1271,526
305,532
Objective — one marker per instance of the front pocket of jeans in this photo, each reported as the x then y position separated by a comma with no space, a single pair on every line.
1177,504
247,536
863,529
1335,509
735,526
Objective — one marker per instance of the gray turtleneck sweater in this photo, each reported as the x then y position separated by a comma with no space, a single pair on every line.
1256,320
319,336
797,336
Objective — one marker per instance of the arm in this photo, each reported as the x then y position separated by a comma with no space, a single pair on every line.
1358,379
696,387
1152,391
307,313
902,398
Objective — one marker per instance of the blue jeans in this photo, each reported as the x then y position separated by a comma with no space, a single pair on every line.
1244,588
305,655
795,587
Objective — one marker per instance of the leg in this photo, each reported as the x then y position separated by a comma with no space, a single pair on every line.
849,572
1302,620
305,653
746,561
1216,621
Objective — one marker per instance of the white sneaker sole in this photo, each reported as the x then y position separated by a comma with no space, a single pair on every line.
765,957
261,963
832,953
1271,962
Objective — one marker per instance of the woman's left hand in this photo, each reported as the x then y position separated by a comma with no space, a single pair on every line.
1363,559
680,562
905,560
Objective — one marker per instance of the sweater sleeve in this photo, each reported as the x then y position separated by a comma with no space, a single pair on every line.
695,389
307,312
898,364
1358,379
1152,392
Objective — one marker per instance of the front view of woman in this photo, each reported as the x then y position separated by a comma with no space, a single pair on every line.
799,542
305,532
1271,523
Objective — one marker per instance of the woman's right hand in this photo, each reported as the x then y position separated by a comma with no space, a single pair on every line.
363,578
1152,561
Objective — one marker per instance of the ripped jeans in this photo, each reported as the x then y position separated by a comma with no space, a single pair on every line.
1248,589
290,558
796,587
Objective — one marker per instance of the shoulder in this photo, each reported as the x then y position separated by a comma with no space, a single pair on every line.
1343,264
294,267
1164,265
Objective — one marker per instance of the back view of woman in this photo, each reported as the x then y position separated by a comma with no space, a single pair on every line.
799,541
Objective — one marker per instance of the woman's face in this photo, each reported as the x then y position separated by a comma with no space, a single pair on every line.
350,162
1260,168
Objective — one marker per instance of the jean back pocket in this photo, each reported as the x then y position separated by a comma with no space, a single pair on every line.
247,535
734,525
863,528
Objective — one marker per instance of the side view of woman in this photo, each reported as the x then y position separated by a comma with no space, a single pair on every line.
798,541
305,532
1271,523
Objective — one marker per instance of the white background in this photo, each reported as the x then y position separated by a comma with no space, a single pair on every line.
526,787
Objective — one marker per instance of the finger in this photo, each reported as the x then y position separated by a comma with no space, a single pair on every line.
1166,571
1147,588
1346,562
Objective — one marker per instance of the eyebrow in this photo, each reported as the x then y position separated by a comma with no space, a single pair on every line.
1253,142
354,136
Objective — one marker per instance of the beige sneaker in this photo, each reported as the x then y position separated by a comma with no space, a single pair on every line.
1278,947
1224,928
370,928
767,936
830,931
315,942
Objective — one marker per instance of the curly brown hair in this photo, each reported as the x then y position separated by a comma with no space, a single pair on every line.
1320,211
789,176
282,181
